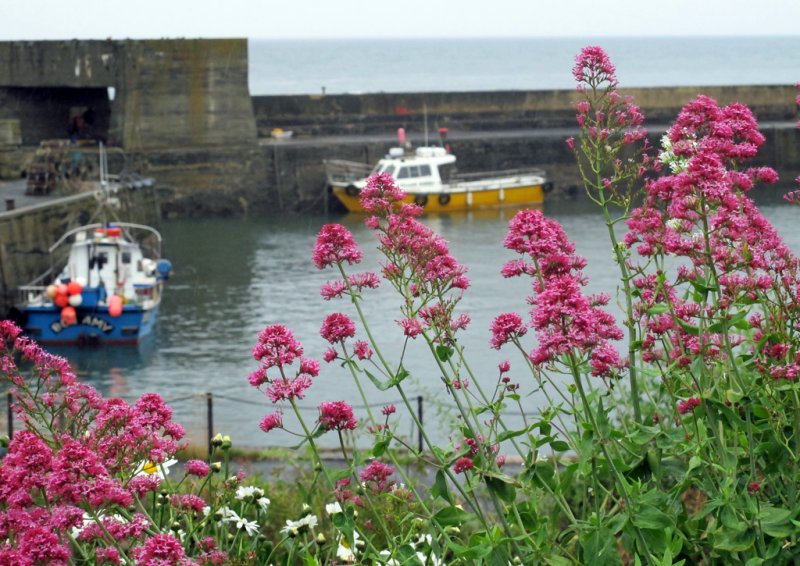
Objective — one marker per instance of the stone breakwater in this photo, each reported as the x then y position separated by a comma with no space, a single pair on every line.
182,113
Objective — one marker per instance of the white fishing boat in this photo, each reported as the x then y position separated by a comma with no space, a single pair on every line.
427,175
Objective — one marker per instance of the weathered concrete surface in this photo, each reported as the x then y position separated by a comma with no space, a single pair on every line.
381,113
27,232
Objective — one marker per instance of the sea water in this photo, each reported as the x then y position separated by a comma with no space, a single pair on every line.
441,65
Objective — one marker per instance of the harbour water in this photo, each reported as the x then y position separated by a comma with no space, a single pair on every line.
234,276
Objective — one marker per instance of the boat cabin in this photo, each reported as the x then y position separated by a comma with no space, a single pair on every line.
425,170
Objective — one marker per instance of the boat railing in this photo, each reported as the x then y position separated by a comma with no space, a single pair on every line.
343,172
87,227
522,172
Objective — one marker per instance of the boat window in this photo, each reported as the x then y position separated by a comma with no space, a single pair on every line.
446,171
403,173
389,170
413,171
424,170
126,257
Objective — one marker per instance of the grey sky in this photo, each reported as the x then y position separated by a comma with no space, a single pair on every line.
141,19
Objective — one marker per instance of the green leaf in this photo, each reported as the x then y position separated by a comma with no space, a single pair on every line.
377,382
688,328
501,488
380,447
450,516
735,542
658,309
402,373
506,434
471,552
439,488
651,518
444,353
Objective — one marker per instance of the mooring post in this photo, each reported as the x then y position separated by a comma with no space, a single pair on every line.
210,420
419,418
10,204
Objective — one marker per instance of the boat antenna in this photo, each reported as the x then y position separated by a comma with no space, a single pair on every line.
425,118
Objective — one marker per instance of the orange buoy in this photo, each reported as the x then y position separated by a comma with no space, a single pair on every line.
74,288
115,305
68,316
51,291
61,301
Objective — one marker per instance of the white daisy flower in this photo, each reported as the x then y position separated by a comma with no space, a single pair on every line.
148,467
333,508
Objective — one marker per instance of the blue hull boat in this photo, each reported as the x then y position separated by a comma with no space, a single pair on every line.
108,292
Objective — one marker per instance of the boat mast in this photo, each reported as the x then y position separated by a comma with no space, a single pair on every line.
425,118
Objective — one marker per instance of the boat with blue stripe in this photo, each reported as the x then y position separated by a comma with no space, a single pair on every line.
108,291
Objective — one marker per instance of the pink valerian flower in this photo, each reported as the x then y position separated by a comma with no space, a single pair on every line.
688,405
337,415
566,321
505,328
330,355
142,484
309,366
160,549
362,350
187,502
376,476
336,327
271,421
356,282
504,366
277,346
593,67
543,241
463,464
335,245
381,196
411,327
287,389
388,410
460,383
197,468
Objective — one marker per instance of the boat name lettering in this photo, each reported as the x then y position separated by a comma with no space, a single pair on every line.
88,320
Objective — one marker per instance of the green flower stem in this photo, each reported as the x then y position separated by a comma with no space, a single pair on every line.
442,464
620,479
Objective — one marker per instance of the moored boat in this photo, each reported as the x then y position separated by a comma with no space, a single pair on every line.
428,178
108,292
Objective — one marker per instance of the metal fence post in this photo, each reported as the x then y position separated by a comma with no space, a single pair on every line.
210,420
10,400
419,418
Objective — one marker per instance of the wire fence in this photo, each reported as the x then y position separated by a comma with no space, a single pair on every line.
211,401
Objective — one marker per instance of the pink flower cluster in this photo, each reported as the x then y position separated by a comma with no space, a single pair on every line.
337,415
376,475
278,348
702,215
49,476
566,321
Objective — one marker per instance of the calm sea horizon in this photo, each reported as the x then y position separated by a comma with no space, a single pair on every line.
356,66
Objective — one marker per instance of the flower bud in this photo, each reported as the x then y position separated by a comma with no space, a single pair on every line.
321,539
216,442
226,442
216,467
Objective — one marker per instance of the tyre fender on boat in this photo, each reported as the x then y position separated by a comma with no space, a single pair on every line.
444,199
548,186
351,191
421,200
